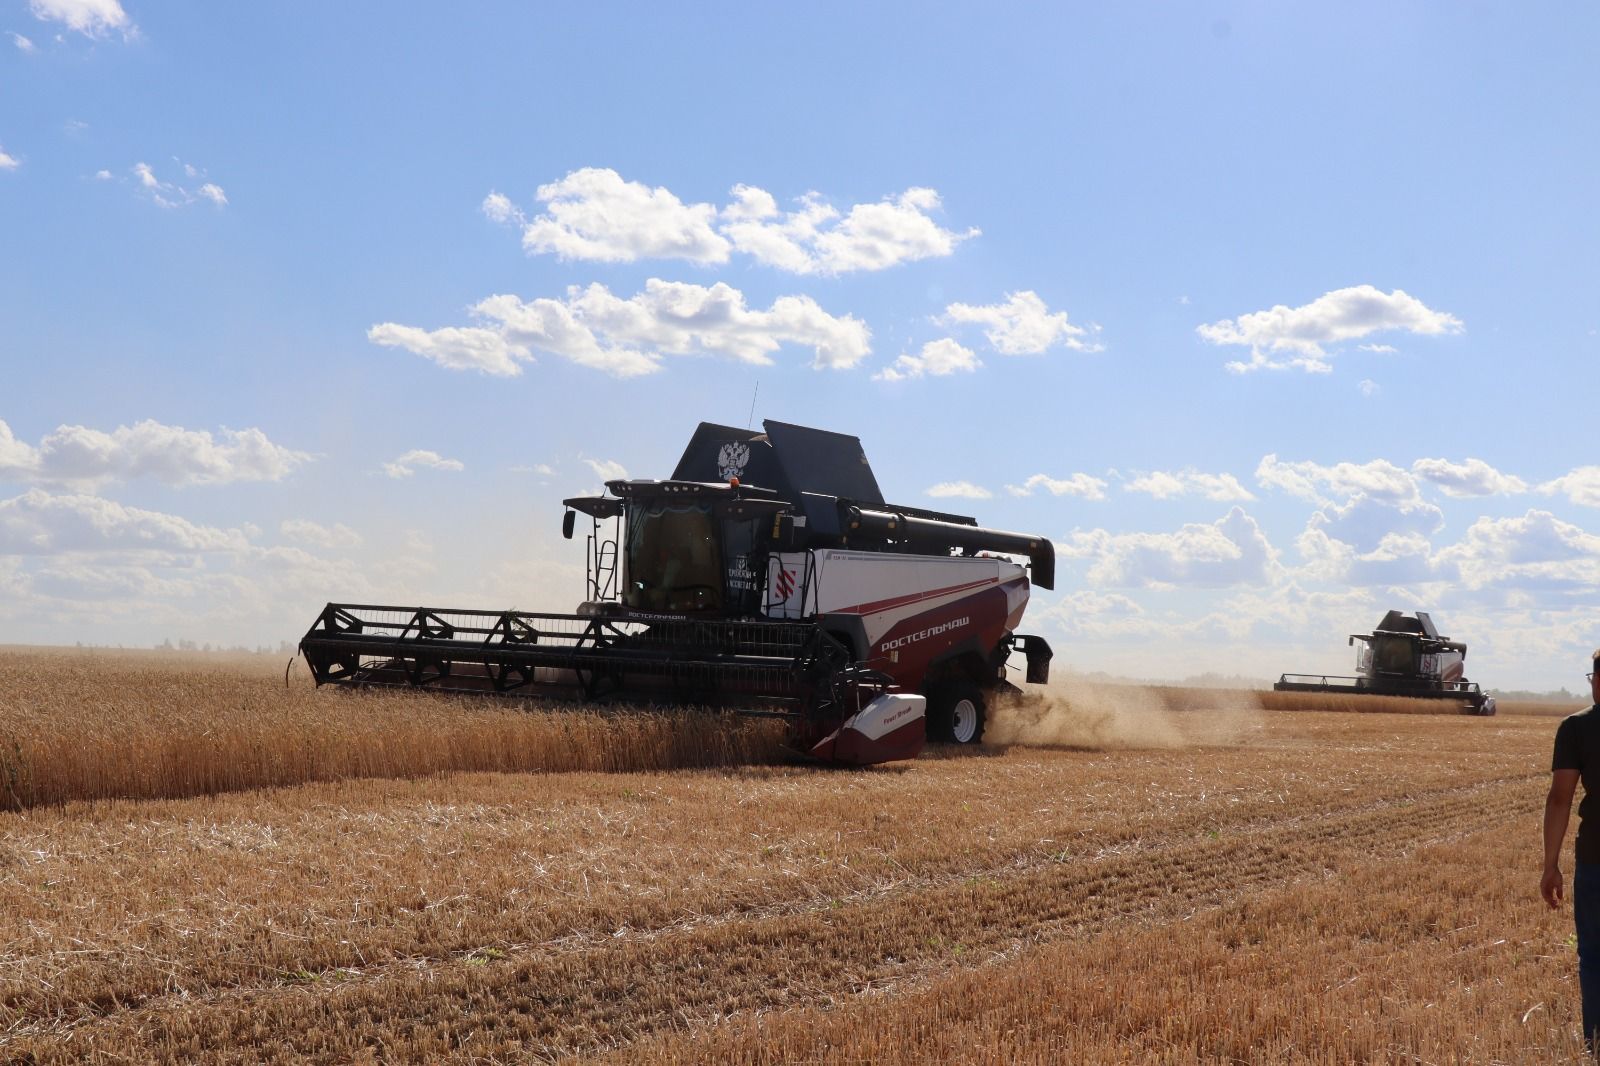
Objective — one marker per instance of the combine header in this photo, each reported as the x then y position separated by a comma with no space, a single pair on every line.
1404,656
767,576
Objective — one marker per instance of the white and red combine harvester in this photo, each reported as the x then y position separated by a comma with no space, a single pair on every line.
768,576
1403,656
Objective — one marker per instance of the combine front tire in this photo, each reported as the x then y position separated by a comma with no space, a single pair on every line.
956,714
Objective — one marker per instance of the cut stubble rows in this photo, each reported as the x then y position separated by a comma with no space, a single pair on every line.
1309,887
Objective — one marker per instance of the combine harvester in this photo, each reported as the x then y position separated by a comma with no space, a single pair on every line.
767,576
1404,656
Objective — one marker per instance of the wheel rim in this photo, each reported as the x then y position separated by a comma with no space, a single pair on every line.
964,721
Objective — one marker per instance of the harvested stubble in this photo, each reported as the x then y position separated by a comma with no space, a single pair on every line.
1177,904
94,726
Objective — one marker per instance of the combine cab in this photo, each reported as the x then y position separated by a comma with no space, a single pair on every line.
1404,656
766,576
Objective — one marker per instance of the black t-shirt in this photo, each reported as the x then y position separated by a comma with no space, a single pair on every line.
1578,748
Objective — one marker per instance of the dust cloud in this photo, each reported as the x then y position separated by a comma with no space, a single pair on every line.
1095,716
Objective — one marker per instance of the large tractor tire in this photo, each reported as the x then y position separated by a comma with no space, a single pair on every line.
956,713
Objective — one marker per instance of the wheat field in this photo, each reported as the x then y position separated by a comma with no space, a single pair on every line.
1123,875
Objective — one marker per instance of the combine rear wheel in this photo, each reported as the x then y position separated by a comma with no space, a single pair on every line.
956,713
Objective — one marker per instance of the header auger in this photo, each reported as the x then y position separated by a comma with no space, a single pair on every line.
1403,656
767,576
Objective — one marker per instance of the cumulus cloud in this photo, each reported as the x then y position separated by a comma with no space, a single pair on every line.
1086,485
962,490
627,337
92,18
487,351
172,194
1360,503
939,358
1023,325
1378,479
306,531
23,44
595,214
1581,486
607,469
1381,349
1283,337
8,162
1364,521
816,238
499,208
407,464
1536,551
1471,478
39,523
1230,551
1397,559
1163,486
1096,615
84,457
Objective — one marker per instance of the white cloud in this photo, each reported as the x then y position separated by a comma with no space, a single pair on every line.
1096,615
171,194
1023,325
1369,387
1581,486
963,490
607,469
1232,550
1343,314
1535,552
92,18
938,358
1086,485
499,208
305,531
1163,485
84,457
816,238
456,348
627,337
408,463
1471,478
1379,479
1381,349
38,523
102,175
1378,498
8,162
23,44
1396,559
1364,521
595,214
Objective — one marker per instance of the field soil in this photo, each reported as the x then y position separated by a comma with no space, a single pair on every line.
1124,875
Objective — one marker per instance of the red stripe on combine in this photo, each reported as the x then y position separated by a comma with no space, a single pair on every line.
900,601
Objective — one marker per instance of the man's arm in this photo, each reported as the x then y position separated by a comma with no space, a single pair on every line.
1557,810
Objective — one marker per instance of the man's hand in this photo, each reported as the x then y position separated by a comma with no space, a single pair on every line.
1551,888
1557,809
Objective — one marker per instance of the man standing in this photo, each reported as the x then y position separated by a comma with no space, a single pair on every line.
1577,757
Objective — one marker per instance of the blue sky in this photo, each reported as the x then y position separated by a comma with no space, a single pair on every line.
1272,317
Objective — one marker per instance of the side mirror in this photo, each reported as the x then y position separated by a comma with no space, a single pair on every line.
567,522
